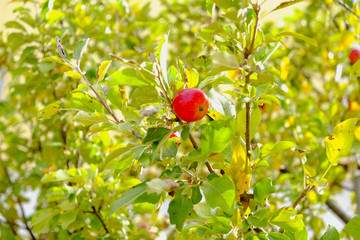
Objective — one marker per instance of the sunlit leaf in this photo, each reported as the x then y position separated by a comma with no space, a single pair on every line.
299,36
255,119
50,110
102,70
74,74
219,192
127,198
286,4
331,234
339,143
352,227
220,103
80,48
192,77
262,190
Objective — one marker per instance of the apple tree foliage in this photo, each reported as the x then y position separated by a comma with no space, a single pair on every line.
86,120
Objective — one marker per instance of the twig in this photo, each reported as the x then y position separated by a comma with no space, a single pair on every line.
195,145
348,8
100,219
20,205
117,121
338,211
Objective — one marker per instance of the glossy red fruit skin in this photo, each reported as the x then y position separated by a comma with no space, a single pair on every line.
190,104
175,135
354,55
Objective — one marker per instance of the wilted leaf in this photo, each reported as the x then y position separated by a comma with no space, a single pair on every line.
239,170
339,143
49,110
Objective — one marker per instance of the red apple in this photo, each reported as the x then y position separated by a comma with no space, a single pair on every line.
175,135
354,56
190,104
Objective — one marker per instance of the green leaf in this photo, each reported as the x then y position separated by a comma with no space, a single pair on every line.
285,219
278,236
286,4
216,136
55,194
192,78
56,60
89,119
196,195
15,24
224,4
222,61
339,143
221,104
299,36
127,198
219,192
54,16
185,133
278,147
260,218
80,48
155,134
220,225
352,227
40,221
255,119
116,96
179,208
127,76
355,69
332,233
309,170
102,70
49,110
214,81
262,190
67,218
74,74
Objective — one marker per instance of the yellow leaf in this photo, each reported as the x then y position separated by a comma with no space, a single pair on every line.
285,67
54,16
73,74
216,115
102,69
339,143
239,170
192,77
357,133
346,40
312,197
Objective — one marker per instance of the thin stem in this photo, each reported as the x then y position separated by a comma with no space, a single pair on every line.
100,219
348,8
195,145
117,121
18,199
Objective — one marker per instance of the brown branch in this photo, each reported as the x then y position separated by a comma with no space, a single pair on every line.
195,145
100,219
338,211
117,121
348,8
18,199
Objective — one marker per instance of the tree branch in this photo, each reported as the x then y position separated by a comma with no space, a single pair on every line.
195,145
338,211
348,8
18,199
100,219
